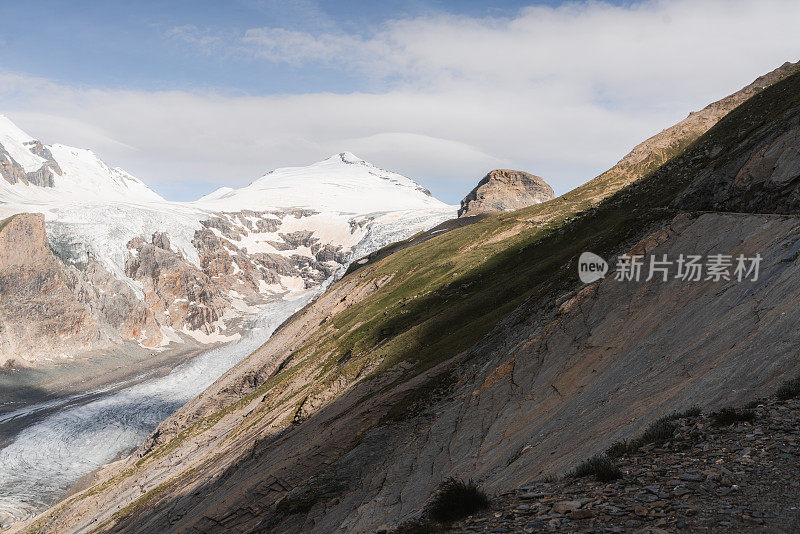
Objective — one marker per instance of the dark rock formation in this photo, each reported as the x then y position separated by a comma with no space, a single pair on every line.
13,172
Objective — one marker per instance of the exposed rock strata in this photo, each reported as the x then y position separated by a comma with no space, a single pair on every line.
180,295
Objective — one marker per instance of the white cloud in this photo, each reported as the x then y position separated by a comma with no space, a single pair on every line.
562,93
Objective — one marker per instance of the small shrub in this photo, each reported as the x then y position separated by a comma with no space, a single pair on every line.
694,411
789,390
753,404
729,416
600,467
618,449
456,499
658,432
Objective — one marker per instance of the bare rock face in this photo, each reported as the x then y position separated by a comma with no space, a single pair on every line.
505,190
13,172
226,259
180,294
50,307
38,307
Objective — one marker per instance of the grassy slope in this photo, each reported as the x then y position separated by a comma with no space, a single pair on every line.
5,222
448,292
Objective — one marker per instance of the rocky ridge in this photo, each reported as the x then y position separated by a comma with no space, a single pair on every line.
505,190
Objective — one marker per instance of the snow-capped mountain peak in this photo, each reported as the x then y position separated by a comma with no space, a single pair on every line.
341,183
345,157
33,172
216,193
85,172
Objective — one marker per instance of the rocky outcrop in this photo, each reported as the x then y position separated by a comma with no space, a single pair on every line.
13,172
225,256
505,190
49,308
38,307
180,294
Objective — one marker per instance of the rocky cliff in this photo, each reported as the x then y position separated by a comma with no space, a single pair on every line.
49,308
505,190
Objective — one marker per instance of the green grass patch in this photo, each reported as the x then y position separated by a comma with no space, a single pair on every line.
657,433
5,221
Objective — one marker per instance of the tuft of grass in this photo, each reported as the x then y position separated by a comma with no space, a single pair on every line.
789,390
456,499
658,433
600,467
618,449
550,478
5,222
729,416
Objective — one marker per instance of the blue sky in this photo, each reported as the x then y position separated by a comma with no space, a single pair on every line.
192,95
122,44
